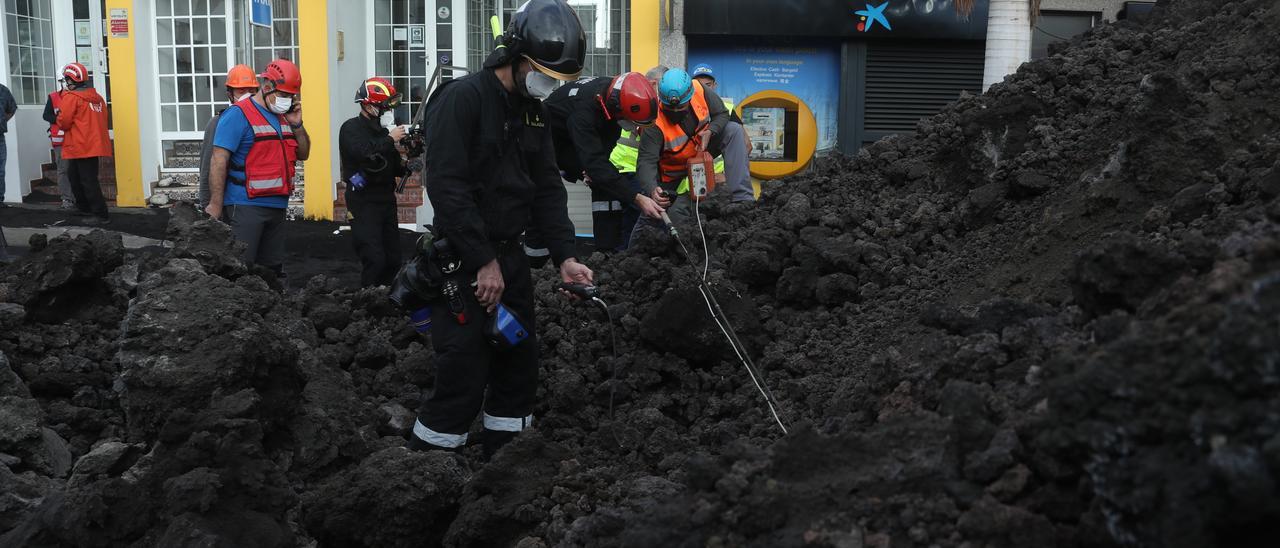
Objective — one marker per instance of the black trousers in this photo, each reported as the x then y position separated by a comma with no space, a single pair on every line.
376,236
471,374
83,174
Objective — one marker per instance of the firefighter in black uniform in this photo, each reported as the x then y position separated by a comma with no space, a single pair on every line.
370,165
585,118
490,173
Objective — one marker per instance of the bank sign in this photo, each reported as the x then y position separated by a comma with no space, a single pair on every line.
812,74
856,19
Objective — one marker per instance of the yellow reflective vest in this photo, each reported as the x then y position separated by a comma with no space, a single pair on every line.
625,153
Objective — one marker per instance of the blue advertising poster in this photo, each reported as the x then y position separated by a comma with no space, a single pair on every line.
810,73
260,13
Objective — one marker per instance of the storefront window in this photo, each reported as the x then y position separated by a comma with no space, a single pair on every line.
605,22
193,55
1059,26
280,41
400,50
33,73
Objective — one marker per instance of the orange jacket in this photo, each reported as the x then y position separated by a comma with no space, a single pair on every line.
84,119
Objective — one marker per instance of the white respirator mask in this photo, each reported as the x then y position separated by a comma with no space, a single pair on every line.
387,119
540,86
282,105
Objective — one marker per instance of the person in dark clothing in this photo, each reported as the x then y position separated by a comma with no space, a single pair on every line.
370,166
586,120
8,107
490,173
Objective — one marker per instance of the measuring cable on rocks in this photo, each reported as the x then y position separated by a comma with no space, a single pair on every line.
718,315
592,293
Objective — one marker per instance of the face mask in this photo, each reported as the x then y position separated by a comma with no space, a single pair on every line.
539,86
238,98
387,119
282,105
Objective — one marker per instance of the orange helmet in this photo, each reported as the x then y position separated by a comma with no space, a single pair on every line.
241,77
75,72
284,76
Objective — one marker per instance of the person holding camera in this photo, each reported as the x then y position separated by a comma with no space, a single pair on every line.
371,163
256,148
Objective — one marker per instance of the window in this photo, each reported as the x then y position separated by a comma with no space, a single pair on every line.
192,52
1059,26
400,50
278,42
604,21
33,73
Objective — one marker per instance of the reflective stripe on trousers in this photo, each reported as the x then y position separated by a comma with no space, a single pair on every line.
440,439
507,424
606,206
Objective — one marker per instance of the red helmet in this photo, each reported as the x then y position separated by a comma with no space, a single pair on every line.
283,75
75,72
631,97
378,92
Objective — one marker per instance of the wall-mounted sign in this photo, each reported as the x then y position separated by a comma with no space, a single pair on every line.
84,56
417,36
864,19
443,13
444,59
84,33
118,22
811,74
260,13
399,34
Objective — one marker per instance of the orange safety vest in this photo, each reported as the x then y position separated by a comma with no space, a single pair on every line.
56,135
677,147
269,167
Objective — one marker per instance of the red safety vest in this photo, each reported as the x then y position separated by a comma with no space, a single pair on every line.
56,135
269,168
677,147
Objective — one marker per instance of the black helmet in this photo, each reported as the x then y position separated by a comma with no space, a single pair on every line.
548,34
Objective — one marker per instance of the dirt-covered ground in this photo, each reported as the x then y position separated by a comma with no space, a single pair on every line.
1049,318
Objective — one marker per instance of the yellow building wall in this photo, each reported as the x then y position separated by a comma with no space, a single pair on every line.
313,46
644,33
125,115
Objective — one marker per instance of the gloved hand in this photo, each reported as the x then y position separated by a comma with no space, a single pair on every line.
357,181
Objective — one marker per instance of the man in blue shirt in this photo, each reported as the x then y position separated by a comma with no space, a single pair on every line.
251,170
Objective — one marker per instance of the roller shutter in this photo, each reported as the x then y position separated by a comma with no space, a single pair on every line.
908,81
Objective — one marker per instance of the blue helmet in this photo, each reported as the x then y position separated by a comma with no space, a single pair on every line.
675,88
704,69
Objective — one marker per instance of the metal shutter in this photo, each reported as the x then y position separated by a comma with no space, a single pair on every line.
909,81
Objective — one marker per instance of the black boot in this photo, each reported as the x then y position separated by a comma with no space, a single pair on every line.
493,440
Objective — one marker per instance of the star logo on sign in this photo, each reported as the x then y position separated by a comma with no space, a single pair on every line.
868,17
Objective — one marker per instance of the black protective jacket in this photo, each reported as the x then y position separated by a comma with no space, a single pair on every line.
490,170
365,146
584,138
